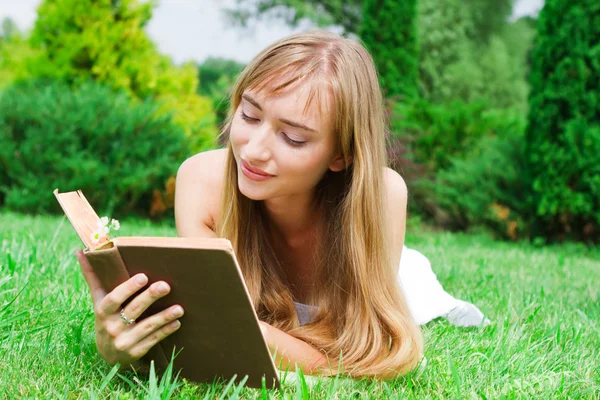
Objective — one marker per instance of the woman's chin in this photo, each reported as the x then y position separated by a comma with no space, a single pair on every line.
253,193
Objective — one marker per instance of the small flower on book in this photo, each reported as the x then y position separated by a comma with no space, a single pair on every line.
103,226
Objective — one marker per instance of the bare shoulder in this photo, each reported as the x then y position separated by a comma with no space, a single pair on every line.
394,184
197,193
397,199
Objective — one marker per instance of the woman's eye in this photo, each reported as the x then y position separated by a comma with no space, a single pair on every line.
247,118
294,143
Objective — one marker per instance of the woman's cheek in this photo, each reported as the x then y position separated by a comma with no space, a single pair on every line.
237,134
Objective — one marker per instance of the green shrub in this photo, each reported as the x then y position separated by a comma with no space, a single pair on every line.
428,137
389,32
443,38
441,131
563,134
459,61
217,76
487,187
90,138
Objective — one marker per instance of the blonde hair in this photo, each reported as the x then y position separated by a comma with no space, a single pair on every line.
362,318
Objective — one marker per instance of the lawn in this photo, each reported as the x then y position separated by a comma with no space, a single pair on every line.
544,340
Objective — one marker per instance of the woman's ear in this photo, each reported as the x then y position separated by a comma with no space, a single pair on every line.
338,163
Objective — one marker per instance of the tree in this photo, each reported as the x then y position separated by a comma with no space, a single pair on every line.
14,52
217,76
390,34
443,39
344,13
104,41
488,17
8,29
563,134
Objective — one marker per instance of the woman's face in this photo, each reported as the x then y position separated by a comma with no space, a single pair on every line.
273,134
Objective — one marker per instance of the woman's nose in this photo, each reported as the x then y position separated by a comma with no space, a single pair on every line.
257,147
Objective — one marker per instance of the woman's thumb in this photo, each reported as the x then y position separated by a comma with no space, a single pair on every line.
90,276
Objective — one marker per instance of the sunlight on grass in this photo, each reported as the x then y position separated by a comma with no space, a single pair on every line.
544,340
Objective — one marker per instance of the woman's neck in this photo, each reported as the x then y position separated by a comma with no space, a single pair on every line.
295,223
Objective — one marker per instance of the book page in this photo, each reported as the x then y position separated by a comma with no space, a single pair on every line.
80,213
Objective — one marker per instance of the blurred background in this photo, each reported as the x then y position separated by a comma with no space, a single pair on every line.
493,105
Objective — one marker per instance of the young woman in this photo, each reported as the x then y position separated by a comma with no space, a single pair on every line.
317,219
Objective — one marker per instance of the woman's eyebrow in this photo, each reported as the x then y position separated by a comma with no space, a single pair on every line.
285,121
252,101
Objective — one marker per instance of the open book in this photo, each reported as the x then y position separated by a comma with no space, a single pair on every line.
219,335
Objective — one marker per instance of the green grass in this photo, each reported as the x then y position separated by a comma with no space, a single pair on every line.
544,341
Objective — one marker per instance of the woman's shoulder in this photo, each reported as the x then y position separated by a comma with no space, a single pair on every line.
210,159
198,191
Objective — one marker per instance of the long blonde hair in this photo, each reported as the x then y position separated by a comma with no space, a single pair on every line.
362,315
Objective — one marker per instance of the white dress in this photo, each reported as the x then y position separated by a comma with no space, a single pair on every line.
427,299
425,296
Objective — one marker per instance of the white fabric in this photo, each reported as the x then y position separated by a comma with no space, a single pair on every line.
427,299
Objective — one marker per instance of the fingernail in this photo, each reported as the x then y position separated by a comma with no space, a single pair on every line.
162,288
141,279
177,312
175,324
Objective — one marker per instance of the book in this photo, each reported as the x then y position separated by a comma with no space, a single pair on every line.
219,336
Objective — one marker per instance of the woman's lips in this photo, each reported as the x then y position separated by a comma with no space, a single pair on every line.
253,175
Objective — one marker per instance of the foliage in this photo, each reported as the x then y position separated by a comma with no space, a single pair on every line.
79,40
8,29
488,187
217,76
427,137
518,38
489,75
443,37
563,134
14,51
389,32
89,138
456,64
488,17
441,131
346,14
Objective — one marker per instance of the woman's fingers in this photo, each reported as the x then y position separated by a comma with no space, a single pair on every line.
144,345
148,325
149,331
142,301
112,302
96,290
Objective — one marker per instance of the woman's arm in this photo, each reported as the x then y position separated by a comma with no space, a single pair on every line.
397,199
291,351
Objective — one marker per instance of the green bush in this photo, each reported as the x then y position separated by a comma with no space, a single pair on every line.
460,60
563,134
427,138
487,187
89,138
489,74
444,36
389,32
217,76
441,131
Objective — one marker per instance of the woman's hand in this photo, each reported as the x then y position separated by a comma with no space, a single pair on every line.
118,341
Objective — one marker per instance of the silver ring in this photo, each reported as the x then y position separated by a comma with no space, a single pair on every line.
125,319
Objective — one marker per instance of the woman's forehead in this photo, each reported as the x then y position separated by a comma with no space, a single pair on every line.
306,100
